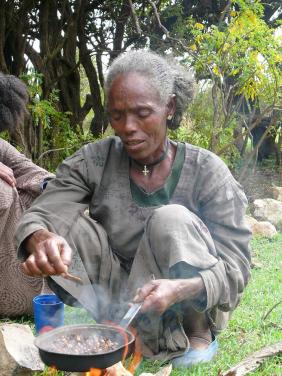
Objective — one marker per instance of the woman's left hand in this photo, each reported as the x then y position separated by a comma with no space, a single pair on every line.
160,294
157,295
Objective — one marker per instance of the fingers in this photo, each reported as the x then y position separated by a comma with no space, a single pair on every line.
38,264
66,253
157,296
144,291
6,173
154,302
51,257
30,267
53,253
149,295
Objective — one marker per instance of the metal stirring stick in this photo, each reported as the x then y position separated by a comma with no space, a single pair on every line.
130,314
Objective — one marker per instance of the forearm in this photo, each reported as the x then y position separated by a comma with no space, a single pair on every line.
189,289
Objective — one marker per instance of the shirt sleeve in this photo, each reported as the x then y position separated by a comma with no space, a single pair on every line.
58,206
28,175
222,209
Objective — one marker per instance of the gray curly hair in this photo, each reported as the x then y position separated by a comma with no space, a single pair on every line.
13,100
166,77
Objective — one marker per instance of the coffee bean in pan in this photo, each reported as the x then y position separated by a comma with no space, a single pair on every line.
78,344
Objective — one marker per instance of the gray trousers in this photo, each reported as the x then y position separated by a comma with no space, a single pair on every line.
175,244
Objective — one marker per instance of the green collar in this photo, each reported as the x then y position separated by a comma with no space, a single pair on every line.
162,195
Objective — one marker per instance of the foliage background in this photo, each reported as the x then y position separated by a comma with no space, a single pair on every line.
62,50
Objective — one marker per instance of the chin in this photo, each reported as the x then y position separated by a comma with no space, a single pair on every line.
135,154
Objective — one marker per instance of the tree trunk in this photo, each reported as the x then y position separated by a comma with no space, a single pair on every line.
98,123
3,65
216,120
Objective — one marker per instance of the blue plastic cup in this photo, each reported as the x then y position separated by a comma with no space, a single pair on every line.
48,312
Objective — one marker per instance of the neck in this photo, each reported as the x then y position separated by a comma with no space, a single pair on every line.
146,167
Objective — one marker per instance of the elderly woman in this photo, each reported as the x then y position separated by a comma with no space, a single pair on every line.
156,208
19,185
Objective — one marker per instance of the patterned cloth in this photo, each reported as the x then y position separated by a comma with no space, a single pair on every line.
16,289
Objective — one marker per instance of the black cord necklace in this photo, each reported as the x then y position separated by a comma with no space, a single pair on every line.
144,167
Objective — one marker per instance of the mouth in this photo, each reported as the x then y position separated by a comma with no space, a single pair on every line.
133,142
133,145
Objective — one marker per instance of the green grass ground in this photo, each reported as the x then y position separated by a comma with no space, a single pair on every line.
247,331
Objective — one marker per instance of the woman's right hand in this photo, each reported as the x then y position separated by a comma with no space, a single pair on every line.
6,173
50,254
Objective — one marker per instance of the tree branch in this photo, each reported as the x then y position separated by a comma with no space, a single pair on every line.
248,131
255,150
225,10
161,26
35,57
271,309
135,18
253,361
119,30
3,65
178,41
61,149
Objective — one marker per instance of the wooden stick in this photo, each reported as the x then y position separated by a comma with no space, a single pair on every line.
271,309
72,278
254,360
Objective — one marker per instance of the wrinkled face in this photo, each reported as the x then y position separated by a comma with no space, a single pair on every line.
138,116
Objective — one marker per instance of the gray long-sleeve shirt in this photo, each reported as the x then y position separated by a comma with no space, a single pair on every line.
98,176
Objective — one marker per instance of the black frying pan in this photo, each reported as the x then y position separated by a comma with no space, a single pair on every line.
83,363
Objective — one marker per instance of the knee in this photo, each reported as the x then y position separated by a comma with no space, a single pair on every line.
174,222
168,217
168,223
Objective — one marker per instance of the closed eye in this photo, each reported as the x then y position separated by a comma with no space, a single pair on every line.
144,112
115,115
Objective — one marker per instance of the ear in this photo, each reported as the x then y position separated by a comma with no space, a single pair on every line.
171,106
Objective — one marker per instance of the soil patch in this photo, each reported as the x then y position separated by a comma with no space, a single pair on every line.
257,183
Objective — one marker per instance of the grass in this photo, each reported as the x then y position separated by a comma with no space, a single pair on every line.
247,331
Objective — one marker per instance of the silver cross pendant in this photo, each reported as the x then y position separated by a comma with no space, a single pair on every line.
145,171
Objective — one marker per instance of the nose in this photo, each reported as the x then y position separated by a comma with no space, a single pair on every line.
130,124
